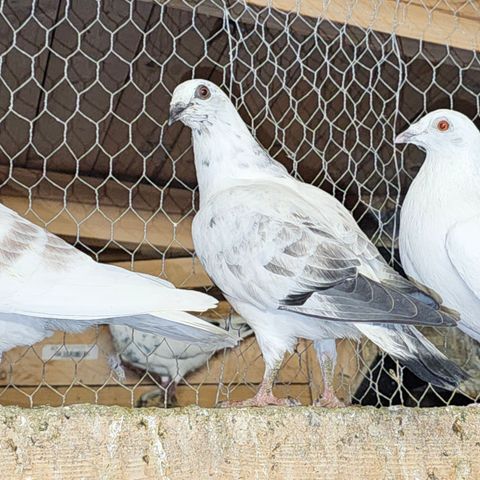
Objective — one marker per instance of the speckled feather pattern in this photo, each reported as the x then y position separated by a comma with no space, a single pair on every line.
289,257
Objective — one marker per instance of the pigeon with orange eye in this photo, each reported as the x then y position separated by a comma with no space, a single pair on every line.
440,216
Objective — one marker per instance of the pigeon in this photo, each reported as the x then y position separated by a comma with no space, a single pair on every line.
440,216
49,285
291,259
168,361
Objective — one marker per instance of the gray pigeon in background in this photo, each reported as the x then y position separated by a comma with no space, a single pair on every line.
169,361
291,259
440,217
46,285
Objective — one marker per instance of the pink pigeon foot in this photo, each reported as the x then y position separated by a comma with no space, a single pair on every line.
329,400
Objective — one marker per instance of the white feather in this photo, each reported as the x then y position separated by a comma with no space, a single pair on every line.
49,285
440,217
266,239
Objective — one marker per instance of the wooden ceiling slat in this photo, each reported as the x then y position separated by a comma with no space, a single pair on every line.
102,212
23,68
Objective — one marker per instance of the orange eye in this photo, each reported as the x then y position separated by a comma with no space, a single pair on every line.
443,125
202,92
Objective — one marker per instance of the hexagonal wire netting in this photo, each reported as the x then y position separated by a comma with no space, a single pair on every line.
86,152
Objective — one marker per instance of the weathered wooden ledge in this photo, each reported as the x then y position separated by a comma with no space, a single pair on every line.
93,442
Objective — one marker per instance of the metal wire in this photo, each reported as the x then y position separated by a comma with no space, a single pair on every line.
86,152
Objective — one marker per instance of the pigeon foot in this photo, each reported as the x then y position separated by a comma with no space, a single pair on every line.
329,400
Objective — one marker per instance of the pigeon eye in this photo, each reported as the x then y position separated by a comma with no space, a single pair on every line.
443,125
203,92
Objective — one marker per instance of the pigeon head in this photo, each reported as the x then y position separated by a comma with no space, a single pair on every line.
199,104
440,130
223,146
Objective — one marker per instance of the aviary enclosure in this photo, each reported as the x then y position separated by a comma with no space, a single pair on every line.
85,151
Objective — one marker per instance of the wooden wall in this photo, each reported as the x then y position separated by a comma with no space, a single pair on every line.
34,376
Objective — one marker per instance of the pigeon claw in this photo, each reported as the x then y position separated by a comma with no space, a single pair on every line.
329,400
329,403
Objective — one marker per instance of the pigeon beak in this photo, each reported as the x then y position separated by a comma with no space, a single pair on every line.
176,111
407,135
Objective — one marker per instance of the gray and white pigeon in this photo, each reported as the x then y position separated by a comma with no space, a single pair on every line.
169,361
440,217
46,285
291,259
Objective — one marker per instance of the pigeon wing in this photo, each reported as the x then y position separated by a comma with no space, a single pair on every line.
43,276
279,251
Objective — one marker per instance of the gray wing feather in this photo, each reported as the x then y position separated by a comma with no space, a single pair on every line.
330,285
313,262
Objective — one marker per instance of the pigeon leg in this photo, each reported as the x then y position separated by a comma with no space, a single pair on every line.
327,356
171,394
264,396
161,397
115,364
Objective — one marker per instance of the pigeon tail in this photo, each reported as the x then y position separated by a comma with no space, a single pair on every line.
179,326
407,345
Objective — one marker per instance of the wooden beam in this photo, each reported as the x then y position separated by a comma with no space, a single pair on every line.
104,190
100,211
127,396
107,225
456,24
430,21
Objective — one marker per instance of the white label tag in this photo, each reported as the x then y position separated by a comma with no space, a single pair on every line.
78,351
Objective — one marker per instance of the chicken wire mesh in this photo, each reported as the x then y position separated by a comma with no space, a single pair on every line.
86,152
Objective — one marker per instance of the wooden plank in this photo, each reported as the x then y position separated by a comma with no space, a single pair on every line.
34,366
101,211
454,23
90,190
202,395
65,188
438,22
23,74
108,225
240,444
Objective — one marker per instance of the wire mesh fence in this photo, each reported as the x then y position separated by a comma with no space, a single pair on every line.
86,152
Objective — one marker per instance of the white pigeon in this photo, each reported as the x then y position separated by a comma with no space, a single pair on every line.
291,259
46,284
440,216
169,361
